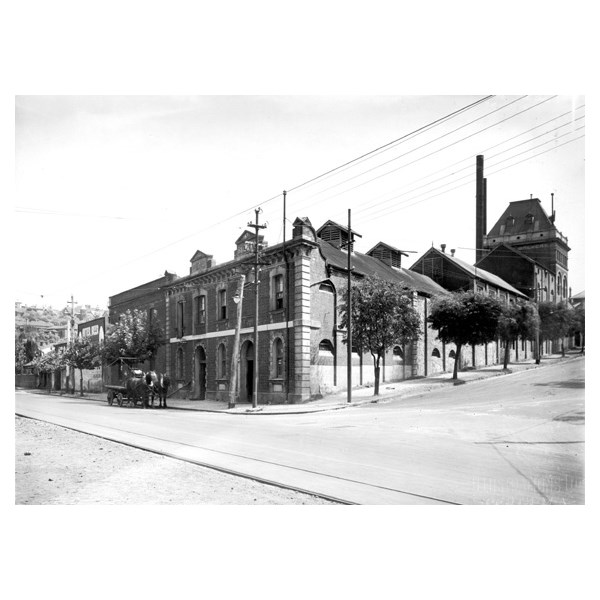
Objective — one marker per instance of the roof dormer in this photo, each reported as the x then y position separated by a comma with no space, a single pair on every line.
336,234
200,262
244,245
387,254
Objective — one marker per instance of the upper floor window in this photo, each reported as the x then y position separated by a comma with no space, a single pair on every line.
180,319
397,354
222,304
326,346
327,287
278,292
200,309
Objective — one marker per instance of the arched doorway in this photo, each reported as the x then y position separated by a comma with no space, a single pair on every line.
246,371
200,370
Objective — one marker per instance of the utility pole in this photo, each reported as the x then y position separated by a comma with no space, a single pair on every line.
349,335
256,228
72,336
235,359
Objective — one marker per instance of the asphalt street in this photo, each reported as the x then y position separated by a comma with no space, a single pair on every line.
515,439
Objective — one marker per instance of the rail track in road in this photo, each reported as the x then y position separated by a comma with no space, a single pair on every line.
336,488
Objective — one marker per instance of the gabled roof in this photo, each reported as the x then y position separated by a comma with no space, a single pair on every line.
380,244
503,249
476,272
246,235
367,265
338,226
199,254
519,210
580,296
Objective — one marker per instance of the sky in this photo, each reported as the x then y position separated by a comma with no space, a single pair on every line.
113,190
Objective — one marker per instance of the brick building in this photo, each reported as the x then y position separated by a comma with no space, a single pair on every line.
457,275
301,351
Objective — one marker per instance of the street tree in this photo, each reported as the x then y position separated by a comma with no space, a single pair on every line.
82,354
518,320
555,321
47,363
134,338
465,318
382,315
577,327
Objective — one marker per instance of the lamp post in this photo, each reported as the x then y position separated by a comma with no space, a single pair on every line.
235,358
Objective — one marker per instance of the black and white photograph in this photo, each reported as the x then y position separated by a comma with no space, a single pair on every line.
298,298
403,323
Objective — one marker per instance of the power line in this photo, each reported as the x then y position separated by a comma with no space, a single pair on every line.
377,216
470,157
380,205
416,131
427,155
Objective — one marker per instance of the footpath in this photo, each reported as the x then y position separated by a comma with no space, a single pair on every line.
388,392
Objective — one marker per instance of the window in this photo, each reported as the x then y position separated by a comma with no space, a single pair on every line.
222,362
397,354
278,291
565,286
326,346
327,287
436,353
452,354
180,322
277,370
559,290
222,304
179,363
200,310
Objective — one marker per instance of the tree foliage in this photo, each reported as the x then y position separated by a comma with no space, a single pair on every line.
555,320
465,318
519,320
382,315
82,354
133,337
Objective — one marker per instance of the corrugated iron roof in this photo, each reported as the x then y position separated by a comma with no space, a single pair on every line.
367,265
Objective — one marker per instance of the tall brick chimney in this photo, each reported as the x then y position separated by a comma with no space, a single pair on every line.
480,208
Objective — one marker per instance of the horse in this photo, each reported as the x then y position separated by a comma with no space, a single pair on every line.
158,384
137,389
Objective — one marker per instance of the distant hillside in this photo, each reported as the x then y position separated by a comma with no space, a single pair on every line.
46,325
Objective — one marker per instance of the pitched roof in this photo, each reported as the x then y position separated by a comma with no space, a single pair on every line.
479,273
507,248
519,210
378,244
367,265
338,226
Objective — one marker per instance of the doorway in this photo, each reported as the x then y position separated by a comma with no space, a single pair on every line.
247,371
200,383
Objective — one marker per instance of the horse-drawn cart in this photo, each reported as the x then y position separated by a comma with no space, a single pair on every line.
131,391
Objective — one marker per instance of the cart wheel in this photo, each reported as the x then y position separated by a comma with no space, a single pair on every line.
120,399
110,397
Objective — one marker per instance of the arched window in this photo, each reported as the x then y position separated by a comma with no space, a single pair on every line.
326,346
559,287
452,354
222,362
277,359
397,354
565,286
327,287
436,353
179,363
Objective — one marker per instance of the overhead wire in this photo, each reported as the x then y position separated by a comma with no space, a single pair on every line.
425,156
380,205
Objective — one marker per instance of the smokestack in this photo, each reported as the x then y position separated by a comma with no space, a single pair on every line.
443,247
553,215
452,251
480,209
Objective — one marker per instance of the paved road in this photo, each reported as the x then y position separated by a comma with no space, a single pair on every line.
517,439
